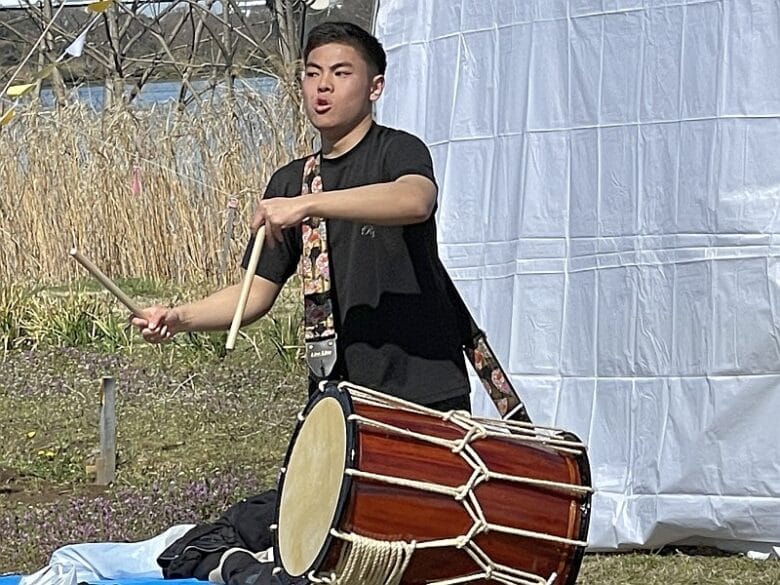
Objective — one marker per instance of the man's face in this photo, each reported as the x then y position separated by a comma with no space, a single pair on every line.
338,88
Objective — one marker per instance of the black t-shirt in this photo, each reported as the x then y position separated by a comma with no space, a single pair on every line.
398,329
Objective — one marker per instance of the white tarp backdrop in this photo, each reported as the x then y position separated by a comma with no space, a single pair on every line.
609,178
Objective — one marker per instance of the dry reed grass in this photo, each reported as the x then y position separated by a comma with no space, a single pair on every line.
65,179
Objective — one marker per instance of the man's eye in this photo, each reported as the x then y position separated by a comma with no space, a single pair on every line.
311,73
342,73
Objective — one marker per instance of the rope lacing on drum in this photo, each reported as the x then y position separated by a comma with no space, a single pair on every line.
365,558
497,571
367,561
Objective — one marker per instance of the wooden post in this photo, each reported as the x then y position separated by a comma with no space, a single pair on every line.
106,461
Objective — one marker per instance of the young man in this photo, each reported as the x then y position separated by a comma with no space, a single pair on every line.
398,328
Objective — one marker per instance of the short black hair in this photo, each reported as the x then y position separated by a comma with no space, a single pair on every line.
350,34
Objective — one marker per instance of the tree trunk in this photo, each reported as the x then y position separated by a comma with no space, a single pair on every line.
286,26
227,42
114,86
47,48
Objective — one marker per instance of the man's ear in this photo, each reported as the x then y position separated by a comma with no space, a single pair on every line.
377,86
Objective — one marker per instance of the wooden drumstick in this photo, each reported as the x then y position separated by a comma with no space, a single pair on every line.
106,282
254,258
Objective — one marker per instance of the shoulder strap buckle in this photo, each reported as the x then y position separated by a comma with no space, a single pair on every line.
321,356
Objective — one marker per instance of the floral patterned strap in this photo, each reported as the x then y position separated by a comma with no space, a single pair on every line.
475,345
319,326
495,381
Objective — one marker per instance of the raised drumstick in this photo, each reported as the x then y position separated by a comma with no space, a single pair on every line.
254,258
106,282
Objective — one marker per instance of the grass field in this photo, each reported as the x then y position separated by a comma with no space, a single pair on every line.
197,430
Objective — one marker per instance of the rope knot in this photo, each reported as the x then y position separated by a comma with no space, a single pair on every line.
372,562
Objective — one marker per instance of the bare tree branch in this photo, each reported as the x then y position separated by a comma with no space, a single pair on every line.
138,41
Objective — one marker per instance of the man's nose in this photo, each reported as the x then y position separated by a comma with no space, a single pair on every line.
325,83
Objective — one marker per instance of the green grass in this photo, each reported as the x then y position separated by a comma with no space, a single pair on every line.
673,567
166,407
180,421
133,287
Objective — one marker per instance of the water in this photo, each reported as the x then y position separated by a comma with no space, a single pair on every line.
160,92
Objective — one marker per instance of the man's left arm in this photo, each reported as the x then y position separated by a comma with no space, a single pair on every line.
407,200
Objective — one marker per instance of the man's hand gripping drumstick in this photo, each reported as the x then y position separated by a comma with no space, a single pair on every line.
238,303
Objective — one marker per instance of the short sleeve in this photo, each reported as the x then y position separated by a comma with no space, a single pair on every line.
277,264
408,155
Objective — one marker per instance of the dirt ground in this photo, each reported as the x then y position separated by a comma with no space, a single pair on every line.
31,491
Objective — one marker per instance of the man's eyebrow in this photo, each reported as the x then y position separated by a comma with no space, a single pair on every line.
334,66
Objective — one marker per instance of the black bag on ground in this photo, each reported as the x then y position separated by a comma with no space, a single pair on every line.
243,525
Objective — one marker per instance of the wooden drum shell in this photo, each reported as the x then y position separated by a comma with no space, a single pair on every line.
382,511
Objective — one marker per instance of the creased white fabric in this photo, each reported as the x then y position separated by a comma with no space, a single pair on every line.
609,194
94,561
55,574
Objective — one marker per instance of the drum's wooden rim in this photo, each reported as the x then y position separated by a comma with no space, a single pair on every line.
327,390
583,463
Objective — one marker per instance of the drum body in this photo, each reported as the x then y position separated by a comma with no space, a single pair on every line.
438,497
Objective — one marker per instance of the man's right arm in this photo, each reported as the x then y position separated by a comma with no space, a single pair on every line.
215,312
212,313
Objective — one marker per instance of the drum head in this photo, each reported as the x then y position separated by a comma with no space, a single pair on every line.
312,486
